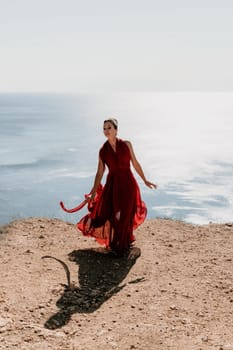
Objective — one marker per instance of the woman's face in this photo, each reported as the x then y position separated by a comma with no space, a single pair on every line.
109,130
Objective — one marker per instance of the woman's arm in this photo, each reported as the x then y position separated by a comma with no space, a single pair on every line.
98,177
138,167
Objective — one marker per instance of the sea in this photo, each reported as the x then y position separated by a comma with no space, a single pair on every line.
49,145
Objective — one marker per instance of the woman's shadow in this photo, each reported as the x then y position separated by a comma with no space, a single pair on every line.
100,274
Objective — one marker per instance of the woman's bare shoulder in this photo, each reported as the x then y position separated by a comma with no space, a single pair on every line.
128,143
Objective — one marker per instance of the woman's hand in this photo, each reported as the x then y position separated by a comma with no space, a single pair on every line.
150,184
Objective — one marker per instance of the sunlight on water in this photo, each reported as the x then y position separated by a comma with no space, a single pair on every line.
49,150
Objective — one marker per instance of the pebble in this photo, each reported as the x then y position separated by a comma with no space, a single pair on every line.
59,334
101,332
28,252
4,321
173,307
113,344
28,339
205,339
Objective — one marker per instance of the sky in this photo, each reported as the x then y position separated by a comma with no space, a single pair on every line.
77,46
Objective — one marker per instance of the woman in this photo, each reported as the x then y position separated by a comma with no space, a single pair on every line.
116,209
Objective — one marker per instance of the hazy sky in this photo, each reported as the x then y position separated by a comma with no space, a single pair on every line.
120,45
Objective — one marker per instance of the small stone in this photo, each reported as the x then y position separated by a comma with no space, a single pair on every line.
113,344
173,307
3,321
28,339
59,334
205,339
101,332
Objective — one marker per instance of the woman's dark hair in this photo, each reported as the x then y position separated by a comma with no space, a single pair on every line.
113,121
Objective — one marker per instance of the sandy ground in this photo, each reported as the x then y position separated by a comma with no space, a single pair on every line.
173,291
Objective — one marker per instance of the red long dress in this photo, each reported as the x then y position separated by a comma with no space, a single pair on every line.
117,209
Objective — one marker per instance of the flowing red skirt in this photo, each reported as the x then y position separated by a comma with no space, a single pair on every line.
112,225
